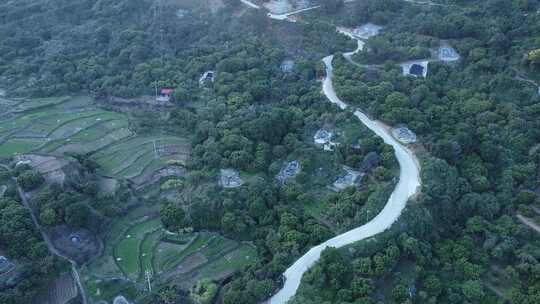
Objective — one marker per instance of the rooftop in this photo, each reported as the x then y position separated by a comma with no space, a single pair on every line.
367,30
447,54
351,178
166,91
289,171
404,135
230,178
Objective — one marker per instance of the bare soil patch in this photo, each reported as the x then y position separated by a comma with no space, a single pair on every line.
191,262
60,291
49,166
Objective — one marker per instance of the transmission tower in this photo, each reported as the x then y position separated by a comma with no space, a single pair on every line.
148,275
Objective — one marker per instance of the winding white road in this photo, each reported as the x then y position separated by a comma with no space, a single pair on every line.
408,185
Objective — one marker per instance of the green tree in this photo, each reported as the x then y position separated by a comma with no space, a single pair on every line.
172,216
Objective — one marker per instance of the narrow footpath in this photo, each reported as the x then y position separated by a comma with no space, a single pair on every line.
47,240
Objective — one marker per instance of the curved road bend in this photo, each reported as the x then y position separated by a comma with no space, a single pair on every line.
408,185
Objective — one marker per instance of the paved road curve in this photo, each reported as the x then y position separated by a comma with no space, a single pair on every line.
408,185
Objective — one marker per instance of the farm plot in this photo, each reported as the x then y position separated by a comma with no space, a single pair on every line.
228,263
207,256
140,237
141,156
18,146
58,125
170,255
76,125
133,249
22,105
105,267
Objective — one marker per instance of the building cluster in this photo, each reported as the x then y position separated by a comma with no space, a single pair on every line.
289,171
230,178
208,76
351,178
323,139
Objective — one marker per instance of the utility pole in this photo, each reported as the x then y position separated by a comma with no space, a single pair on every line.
148,274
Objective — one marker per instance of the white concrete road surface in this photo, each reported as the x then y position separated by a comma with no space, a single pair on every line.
408,185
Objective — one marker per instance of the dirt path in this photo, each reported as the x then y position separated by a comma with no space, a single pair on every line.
529,222
527,80
250,4
47,240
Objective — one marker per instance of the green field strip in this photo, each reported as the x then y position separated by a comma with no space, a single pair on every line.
128,250
219,245
18,146
38,103
148,246
131,144
229,262
97,131
70,130
175,259
127,145
76,138
20,122
44,122
150,168
118,162
92,146
138,166
84,122
121,158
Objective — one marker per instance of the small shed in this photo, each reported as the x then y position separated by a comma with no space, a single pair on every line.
206,77
447,54
287,66
289,171
165,95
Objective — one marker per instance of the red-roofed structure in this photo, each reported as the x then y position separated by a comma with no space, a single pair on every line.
164,94
166,91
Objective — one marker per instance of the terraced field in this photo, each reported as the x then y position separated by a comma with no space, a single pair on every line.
57,126
133,249
184,258
140,156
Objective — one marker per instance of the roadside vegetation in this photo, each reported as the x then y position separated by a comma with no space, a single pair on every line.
140,180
